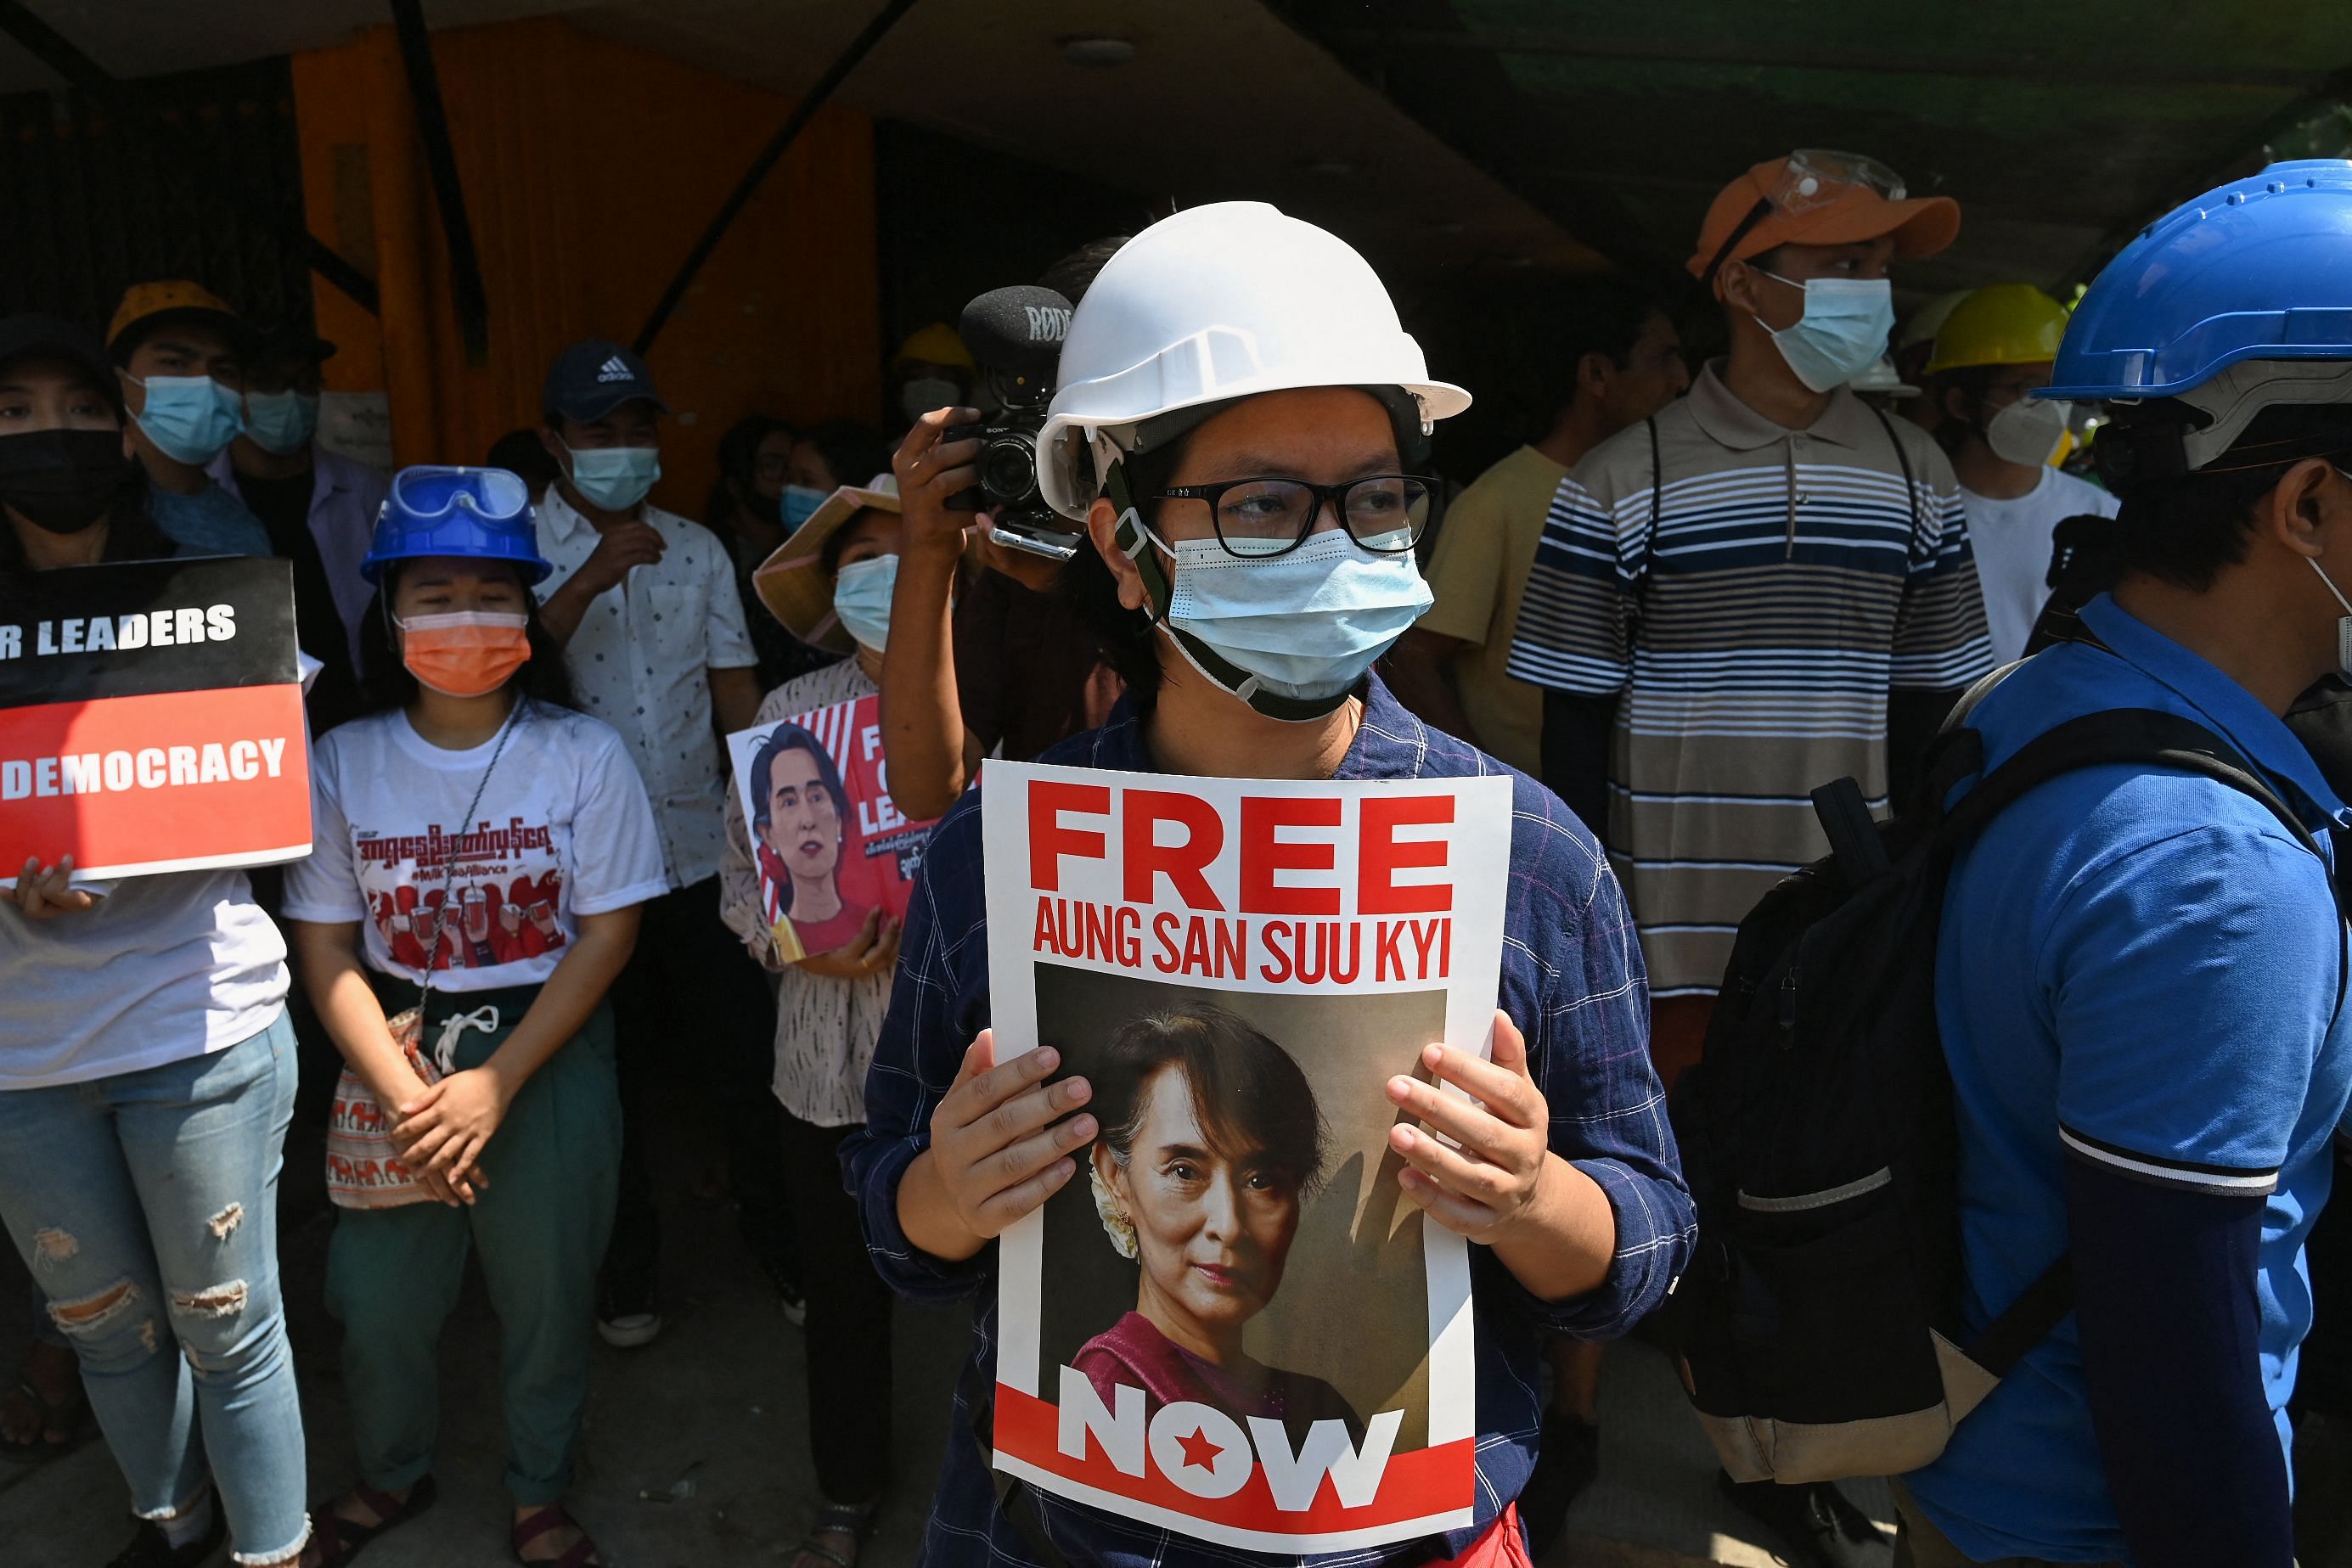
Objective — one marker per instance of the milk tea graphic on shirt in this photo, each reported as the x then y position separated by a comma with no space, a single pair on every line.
473,899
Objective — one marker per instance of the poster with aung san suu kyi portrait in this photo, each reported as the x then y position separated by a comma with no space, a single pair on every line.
1232,1322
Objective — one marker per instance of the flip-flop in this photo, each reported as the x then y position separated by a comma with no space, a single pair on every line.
340,1539
838,1519
582,1552
77,1421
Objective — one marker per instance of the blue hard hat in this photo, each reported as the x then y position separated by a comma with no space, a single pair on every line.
483,514
2259,268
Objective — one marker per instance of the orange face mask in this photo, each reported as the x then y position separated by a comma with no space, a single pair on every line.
467,655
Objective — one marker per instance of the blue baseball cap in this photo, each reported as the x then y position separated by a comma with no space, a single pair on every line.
593,376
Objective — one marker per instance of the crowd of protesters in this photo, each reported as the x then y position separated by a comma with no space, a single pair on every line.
1696,592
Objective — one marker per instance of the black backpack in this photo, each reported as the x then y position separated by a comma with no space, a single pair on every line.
1819,1321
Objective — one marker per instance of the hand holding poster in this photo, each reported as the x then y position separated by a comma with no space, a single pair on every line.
150,717
830,847
1238,968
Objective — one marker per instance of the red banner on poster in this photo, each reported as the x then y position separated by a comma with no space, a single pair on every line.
150,718
830,846
1238,968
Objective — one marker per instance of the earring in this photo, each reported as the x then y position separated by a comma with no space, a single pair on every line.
1116,1221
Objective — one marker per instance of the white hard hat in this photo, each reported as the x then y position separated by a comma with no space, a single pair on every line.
1219,302
1929,319
1880,376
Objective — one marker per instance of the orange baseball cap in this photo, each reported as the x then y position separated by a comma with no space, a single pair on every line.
176,297
1819,198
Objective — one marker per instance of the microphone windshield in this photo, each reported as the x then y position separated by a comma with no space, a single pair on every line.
1017,329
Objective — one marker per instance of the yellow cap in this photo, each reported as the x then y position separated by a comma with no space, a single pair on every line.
936,344
2000,324
171,296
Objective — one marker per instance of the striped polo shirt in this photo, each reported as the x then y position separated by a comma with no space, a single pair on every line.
1754,593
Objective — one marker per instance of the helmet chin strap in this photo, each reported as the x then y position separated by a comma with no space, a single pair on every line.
1158,593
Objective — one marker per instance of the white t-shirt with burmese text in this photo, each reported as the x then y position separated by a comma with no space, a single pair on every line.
564,830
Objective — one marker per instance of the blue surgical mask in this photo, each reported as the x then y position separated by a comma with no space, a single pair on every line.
798,503
1842,331
281,423
189,418
614,478
861,597
1305,624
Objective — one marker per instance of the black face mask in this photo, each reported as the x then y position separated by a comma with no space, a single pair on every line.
62,480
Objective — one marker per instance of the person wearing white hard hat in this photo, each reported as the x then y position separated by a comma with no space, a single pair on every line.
1915,345
1239,418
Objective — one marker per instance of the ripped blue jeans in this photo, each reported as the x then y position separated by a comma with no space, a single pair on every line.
146,1207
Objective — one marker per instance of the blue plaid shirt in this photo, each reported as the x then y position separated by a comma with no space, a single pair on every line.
1571,979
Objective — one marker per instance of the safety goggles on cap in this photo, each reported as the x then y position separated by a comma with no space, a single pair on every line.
430,495
483,514
1810,179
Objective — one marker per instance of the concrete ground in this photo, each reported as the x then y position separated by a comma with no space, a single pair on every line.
697,1452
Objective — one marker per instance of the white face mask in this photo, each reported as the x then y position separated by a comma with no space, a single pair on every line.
921,395
2343,621
2028,432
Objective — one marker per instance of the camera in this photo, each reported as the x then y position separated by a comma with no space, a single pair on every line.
1015,334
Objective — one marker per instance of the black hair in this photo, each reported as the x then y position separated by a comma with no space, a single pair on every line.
1124,637
522,453
1603,315
793,737
1247,1092
1971,381
739,462
385,683
1073,274
853,451
828,555
2185,528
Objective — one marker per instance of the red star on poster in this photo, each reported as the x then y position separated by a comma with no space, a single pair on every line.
1199,1451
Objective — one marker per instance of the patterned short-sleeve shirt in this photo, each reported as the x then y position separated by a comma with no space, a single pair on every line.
640,662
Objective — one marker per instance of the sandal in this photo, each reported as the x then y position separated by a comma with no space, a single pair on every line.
340,1539
584,1554
857,1522
75,1419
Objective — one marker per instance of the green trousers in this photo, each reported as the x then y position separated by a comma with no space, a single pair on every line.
392,1274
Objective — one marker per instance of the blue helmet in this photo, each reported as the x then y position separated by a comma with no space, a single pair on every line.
481,513
2259,268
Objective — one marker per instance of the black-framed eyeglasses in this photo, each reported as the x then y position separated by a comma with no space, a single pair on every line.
1384,513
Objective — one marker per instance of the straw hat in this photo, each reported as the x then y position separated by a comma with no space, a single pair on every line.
792,582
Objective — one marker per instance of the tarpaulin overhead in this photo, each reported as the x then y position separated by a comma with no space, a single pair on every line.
2060,129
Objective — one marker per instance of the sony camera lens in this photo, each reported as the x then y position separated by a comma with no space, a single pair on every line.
1008,468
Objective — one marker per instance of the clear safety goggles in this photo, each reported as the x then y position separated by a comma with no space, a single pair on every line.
430,495
1811,178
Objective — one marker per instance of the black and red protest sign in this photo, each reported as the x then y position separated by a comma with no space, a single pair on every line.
150,717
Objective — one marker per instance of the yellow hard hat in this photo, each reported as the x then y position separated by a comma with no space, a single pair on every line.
2000,324
936,344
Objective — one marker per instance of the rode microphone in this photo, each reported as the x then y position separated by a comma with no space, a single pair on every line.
1016,335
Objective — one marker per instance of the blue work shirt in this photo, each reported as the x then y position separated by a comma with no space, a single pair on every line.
1571,980
2139,967
210,522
